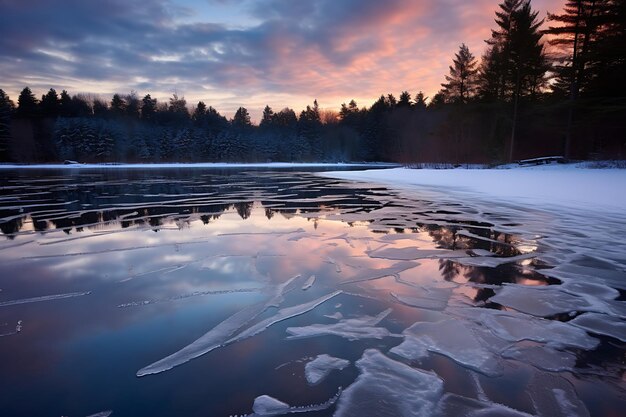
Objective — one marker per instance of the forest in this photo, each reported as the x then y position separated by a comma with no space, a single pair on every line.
553,86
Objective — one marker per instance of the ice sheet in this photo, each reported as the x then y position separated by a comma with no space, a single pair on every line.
372,274
387,388
514,327
319,368
457,405
213,339
452,338
101,414
43,298
265,405
189,295
422,302
283,314
541,302
412,253
363,327
554,396
308,283
601,324
542,357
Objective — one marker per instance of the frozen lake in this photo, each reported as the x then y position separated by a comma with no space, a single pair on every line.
232,291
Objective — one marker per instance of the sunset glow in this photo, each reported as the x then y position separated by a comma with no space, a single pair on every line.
248,53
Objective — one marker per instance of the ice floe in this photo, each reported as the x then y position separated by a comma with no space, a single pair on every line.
283,314
213,339
601,324
372,274
554,396
363,327
265,405
101,414
422,302
539,301
388,388
308,283
43,298
457,405
542,357
451,338
189,295
319,368
515,327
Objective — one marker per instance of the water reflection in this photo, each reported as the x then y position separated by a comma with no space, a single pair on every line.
162,257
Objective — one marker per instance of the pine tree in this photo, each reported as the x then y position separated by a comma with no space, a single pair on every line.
420,101
50,104
148,107
405,100
461,83
65,105
515,64
199,113
268,116
26,104
118,105
577,27
6,110
608,53
178,107
241,118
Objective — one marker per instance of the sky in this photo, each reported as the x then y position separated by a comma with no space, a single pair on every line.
231,53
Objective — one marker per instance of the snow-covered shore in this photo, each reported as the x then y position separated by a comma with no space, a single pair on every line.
573,186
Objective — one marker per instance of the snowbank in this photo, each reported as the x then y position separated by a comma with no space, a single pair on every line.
546,186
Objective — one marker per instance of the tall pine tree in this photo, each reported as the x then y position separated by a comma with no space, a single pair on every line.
461,84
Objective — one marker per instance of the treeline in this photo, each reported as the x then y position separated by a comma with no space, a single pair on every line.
516,101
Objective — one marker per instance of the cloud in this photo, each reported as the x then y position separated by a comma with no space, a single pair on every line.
295,51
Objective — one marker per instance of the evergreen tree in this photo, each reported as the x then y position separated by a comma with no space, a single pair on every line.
50,104
241,118
286,118
268,115
65,104
498,54
178,108
515,64
462,82
199,113
420,101
26,104
404,100
349,114
118,105
576,28
6,110
607,55
148,107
